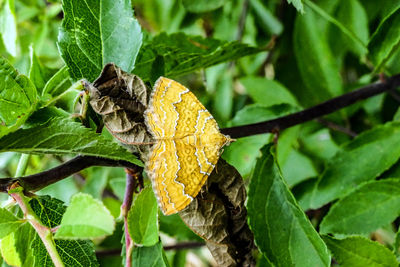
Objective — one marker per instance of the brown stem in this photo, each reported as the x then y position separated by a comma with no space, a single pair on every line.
337,127
132,183
40,180
314,112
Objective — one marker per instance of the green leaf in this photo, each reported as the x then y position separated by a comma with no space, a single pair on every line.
118,187
85,218
298,4
266,18
243,152
320,144
223,98
72,252
357,251
369,207
59,83
149,256
352,15
177,54
17,98
396,245
63,136
267,92
275,218
297,168
23,240
16,247
8,26
363,159
9,251
355,38
200,6
318,68
173,226
386,40
96,181
38,73
8,222
94,33
143,219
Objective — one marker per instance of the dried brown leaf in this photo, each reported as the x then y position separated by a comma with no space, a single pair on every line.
218,215
121,98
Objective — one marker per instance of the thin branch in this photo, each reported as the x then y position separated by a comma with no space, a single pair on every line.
185,245
177,246
132,183
40,180
337,127
314,112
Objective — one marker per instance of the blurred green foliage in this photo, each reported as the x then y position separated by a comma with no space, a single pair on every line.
247,61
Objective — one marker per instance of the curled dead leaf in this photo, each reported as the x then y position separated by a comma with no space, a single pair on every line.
121,98
218,215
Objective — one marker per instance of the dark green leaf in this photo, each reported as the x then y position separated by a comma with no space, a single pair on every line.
363,159
396,245
275,218
94,33
72,252
200,6
143,219
315,61
369,207
179,54
357,251
85,218
149,256
8,222
64,136
17,98
386,40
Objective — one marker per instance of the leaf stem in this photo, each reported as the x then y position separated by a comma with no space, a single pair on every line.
22,165
78,86
44,233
